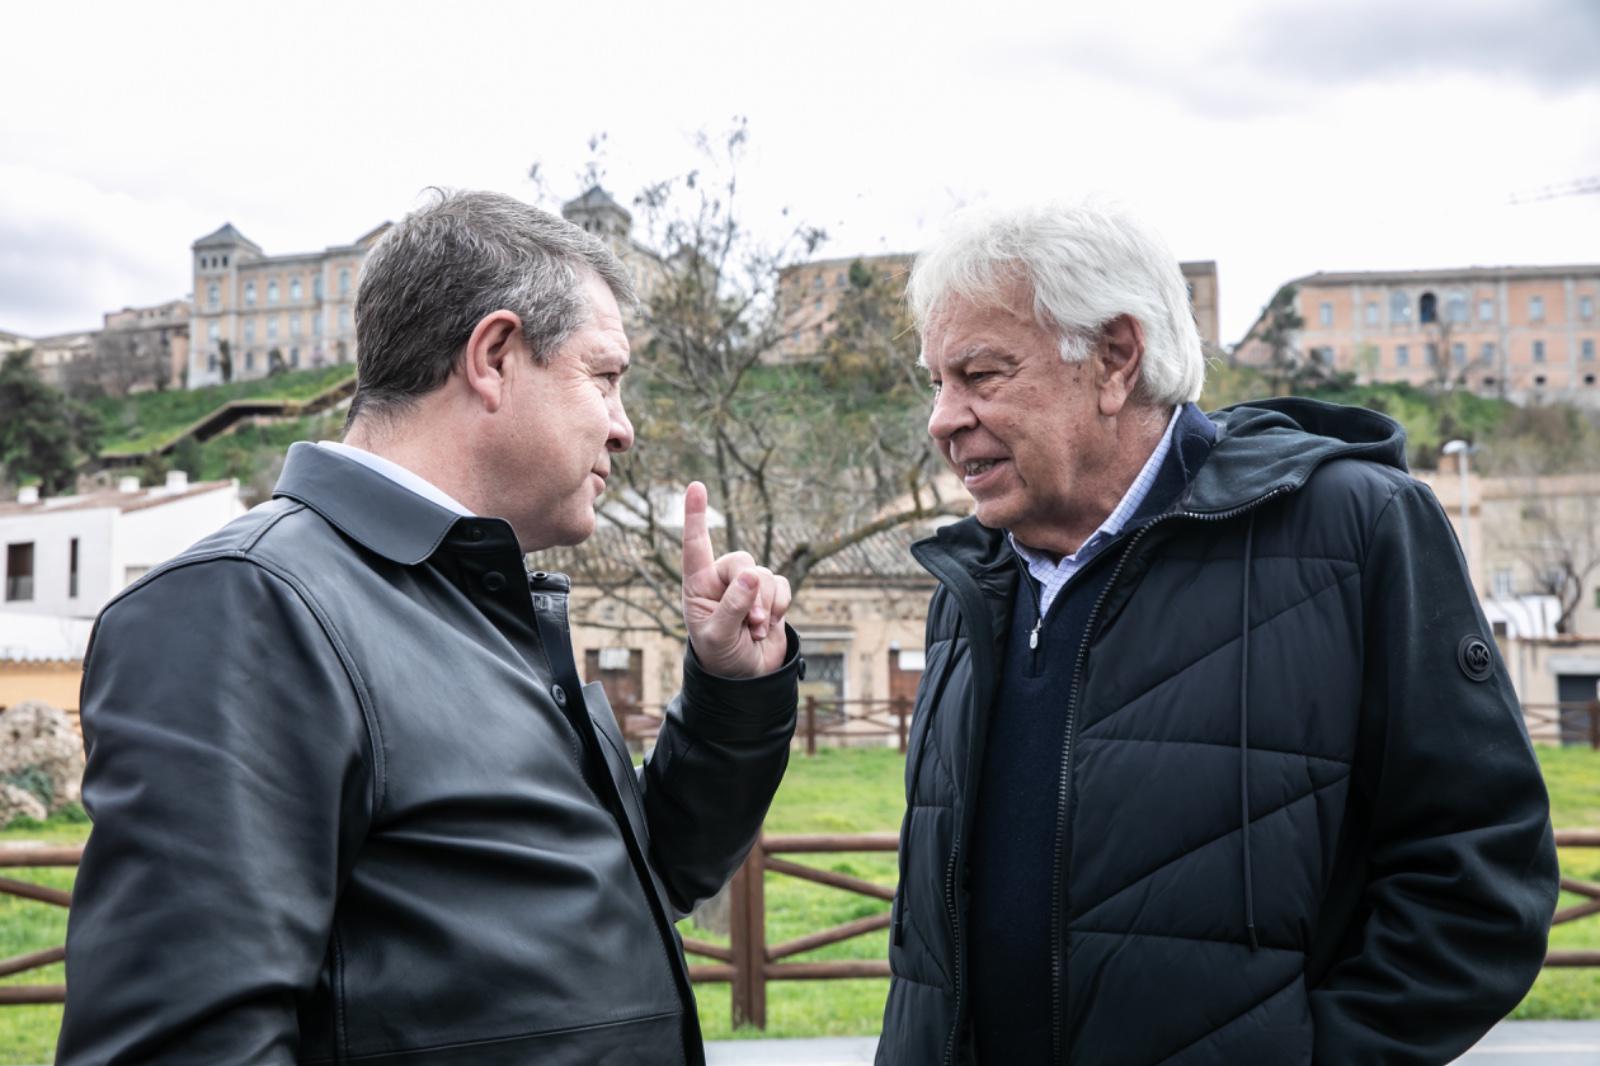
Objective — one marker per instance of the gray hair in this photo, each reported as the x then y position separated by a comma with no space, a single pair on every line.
1087,263
436,274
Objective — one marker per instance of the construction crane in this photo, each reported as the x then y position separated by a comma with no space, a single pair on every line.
1580,187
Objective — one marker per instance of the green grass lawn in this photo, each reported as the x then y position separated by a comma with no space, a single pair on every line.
838,791
135,424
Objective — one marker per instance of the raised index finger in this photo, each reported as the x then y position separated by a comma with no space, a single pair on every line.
696,537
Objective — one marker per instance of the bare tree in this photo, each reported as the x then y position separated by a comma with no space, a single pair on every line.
799,471
122,361
1559,542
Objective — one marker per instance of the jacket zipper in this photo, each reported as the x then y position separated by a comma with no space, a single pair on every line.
1064,781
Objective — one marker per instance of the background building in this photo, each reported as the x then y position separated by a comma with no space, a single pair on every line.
1526,333
597,213
253,311
67,556
56,357
139,348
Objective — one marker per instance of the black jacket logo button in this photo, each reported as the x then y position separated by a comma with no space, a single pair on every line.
559,694
494,581
1476,660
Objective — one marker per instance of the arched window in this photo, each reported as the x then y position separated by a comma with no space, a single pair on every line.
1428,309
295,292
272,291
1456,307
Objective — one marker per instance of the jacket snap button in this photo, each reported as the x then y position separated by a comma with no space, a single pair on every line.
494,581
474,532
560,695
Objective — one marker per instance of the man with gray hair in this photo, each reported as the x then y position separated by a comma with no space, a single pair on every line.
1214,761
352,802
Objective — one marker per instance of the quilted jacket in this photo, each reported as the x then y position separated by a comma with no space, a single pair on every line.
1299,819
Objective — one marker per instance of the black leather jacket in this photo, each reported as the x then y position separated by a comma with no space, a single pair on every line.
352,804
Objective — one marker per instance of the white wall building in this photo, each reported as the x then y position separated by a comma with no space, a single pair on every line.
67,556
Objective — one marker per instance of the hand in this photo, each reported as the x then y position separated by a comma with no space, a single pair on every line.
732,608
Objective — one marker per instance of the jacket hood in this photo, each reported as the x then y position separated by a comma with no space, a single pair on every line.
1267,446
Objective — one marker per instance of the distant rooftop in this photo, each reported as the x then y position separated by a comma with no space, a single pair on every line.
1446,274
139,499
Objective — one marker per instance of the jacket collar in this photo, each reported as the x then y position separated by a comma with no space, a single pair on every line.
377,513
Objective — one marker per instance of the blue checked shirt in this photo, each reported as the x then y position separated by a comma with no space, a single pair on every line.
1053,576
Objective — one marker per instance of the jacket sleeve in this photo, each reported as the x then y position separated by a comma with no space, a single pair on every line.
227,780
1461,876
717,762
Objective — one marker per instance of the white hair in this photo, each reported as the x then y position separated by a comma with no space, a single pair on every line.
1087,263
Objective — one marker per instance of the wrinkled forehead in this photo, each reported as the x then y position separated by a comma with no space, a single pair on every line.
960,328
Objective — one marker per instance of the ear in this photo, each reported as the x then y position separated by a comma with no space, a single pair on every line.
1118,358
491,356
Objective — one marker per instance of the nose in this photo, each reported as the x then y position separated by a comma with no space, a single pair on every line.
950,415
620,439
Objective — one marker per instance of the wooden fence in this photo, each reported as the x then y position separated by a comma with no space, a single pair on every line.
836,721
1565,723
748,962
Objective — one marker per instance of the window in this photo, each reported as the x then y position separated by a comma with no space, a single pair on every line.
1586,349
1458,354
316,287
1399,307
213,296
295,292
1431,352
1538,381
213,331
1536,308
19,571
1428,308
344,319
1485,310
1488,382
839,280
1402,355
224,260
1486,353
272,328
1456,308
294,325
249,294
1538,351
272,291
1502,588
817,282
316,325
294,356
1586,307
72,569
1372,313
1588,379
249,331
344,282
1325,314
211,362
250,359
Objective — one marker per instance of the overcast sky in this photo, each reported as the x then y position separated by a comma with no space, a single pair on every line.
1277,138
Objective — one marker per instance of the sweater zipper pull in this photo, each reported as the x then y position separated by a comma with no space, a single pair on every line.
1033,634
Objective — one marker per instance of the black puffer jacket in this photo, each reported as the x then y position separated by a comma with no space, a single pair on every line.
1296,637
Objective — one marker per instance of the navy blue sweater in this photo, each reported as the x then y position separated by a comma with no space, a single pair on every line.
1015,828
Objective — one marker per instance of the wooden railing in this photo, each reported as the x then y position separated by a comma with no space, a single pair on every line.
748,962
34,856
838,721
1564,720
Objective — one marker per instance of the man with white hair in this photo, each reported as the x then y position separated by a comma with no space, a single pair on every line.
1214,760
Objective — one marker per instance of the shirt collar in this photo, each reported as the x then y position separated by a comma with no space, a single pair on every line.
398,474
375,510
1125,509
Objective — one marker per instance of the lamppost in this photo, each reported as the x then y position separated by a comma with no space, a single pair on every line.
1461,450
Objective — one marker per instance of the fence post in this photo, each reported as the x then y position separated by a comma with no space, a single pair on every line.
1594,725
748,935
811,725
900,709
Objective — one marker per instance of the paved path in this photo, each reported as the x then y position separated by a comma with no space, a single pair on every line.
1509,1044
